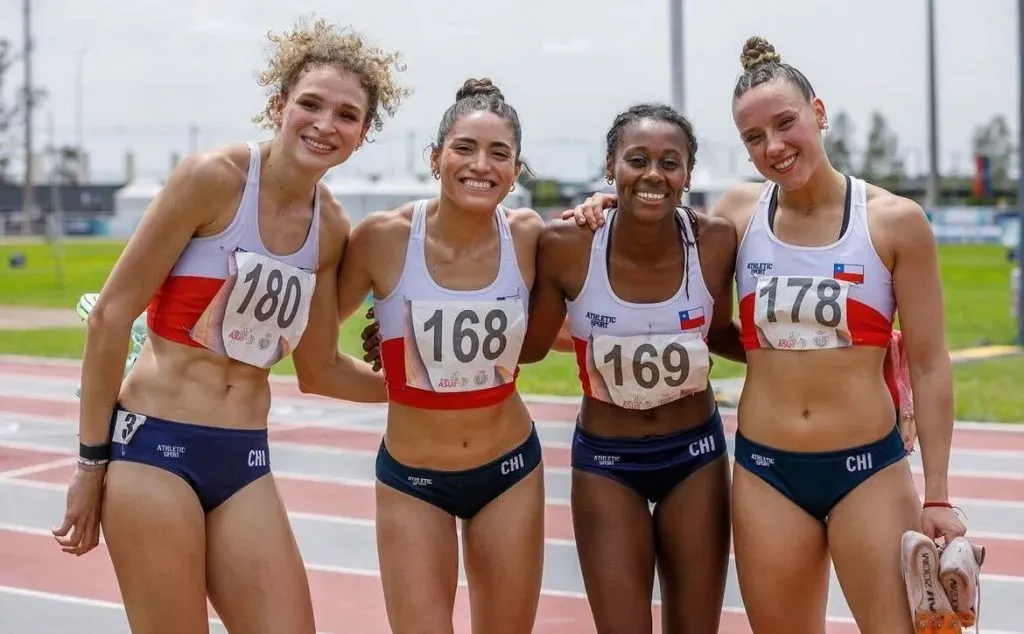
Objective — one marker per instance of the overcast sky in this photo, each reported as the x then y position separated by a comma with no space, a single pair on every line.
152,68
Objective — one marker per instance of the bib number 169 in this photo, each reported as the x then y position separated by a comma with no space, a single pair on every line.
646,372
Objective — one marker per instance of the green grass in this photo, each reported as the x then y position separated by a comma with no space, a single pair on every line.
556,375
976,289
84,266
975,283
990,390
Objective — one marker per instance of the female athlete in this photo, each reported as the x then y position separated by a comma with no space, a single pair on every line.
640,294
451,278
236,263
824,261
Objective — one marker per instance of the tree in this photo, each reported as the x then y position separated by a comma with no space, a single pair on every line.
7,113
67,166
994,141
10,113
881,158
837,142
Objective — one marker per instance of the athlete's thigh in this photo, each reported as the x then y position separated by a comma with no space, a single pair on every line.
864,537
255,574
781,559
503,546
692,527
615,541
418,553
153,525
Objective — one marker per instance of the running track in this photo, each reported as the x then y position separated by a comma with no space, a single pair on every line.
323,454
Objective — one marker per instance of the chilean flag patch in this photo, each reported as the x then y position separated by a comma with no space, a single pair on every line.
853,273
690,319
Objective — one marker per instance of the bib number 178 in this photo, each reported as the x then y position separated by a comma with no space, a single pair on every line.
792,297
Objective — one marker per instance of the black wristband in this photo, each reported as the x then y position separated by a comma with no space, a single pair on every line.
94,452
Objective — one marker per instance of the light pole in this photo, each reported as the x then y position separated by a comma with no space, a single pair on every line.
1020,170
932,196
675,30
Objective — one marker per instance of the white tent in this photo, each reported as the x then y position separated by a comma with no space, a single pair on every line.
130,202
360,197
705,188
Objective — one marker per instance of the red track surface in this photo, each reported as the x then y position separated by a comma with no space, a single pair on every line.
353,602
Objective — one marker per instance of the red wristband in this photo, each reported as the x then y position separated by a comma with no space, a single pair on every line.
946,505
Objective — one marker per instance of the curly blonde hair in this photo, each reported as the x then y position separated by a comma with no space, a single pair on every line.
307,46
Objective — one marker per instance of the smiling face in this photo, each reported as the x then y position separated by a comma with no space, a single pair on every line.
323,118
477,162
650,168
781,131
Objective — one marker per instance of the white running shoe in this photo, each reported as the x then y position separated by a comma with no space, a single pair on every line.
960,576
929,607
138,336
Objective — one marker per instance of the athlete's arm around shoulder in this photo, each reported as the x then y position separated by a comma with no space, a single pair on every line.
374,257
197,193
342,286
526,225
903,235
563,257
730,214
737,206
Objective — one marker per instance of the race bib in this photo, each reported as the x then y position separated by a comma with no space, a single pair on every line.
260,313
645,371
454,346
802,313
125,426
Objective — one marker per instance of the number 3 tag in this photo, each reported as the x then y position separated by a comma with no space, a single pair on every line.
463,346
125,426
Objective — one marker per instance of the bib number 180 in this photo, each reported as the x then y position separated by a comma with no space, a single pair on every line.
271,302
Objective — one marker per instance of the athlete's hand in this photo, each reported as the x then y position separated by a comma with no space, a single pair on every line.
80,531
908,429
592,210
371,341
938,521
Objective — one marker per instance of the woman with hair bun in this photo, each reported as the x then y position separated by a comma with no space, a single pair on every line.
451,279
825,260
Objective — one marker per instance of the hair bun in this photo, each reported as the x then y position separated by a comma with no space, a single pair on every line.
474,87
758,51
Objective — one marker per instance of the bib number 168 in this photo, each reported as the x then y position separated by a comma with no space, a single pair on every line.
466,341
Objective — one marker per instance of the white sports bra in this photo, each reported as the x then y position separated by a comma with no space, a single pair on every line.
448,349
639,356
